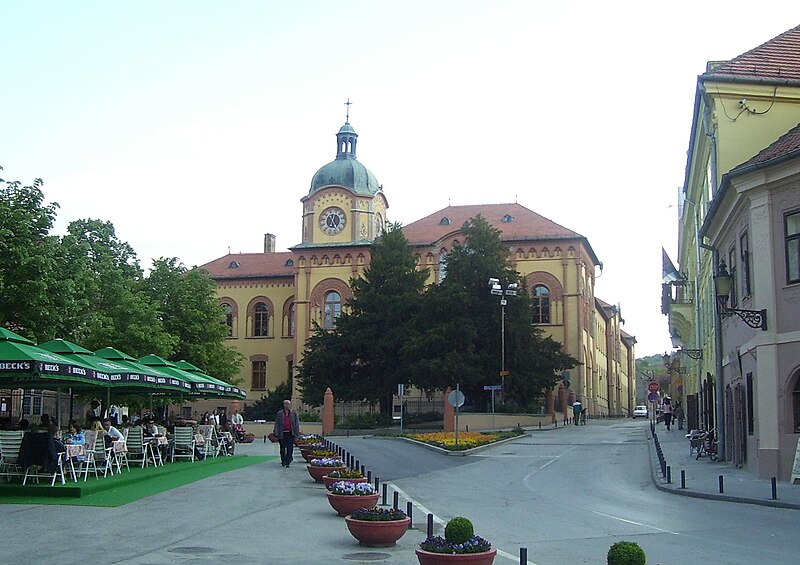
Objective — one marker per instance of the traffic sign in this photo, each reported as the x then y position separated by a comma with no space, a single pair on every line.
456,398
653,386
492,387
653,397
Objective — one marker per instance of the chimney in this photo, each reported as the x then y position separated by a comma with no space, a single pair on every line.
269,243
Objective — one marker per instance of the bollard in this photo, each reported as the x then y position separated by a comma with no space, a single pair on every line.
377,484
663,467
523,556
774,489
669,475
265,438
396,500
683,478
358,465
540,426
430,525
409,512
369,476
383,500
721,485
363,470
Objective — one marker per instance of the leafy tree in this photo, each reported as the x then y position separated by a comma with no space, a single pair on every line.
362,358
29,287
186,300
458,339
268,405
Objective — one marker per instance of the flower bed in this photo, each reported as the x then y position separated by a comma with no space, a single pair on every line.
466,440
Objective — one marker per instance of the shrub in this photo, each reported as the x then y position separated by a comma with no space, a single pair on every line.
310,417
626,553
376,514
458,530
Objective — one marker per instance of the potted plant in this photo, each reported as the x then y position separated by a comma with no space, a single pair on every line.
318,468
317,454
626,553
377,527
459,545
347,475
346,497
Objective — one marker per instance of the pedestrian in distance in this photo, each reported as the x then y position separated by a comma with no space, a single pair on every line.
667,411
577,407
287,429
679,415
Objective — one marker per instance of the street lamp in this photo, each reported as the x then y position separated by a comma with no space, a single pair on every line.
722,288
510,290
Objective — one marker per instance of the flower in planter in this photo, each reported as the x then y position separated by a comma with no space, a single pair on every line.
320,453
459,537
346,474
376,514
327,462
352,489
309,440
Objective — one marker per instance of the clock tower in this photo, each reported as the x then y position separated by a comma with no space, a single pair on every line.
345,205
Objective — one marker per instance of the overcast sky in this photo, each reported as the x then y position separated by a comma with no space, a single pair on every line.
195,127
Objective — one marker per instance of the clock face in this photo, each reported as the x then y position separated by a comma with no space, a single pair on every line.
332,221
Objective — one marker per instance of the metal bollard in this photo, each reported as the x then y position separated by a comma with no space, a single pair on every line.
663,467
383,499
363,470
396,500
774,488
265,438
523,556
377,484
409,513
683,478
369,476
540,425
430,525
358,465
669,475
721,485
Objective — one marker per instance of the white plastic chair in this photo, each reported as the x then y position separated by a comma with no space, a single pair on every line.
10,442
183,445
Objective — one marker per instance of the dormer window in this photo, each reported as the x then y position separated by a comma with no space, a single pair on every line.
233,265
444,221
507,219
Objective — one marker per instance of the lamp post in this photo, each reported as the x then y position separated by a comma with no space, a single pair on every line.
497,289
722,288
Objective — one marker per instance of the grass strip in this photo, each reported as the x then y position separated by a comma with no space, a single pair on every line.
127,487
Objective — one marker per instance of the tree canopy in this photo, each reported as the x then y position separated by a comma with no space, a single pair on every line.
88,287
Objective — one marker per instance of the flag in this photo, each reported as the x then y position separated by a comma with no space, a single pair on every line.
669,273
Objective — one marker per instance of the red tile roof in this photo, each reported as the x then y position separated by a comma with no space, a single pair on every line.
524,225
786,144
250,265
777,59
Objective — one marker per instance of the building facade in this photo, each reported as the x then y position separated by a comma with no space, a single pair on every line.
273,299
739,357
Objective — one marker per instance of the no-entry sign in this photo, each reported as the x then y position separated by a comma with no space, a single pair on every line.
653,386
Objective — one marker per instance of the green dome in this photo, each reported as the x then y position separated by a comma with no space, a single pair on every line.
345,170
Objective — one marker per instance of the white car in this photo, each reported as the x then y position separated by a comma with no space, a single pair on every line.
640,411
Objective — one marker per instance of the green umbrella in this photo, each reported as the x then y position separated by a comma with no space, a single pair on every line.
23,364
200,384
221,386
150,377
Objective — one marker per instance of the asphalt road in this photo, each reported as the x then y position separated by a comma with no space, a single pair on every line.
568,494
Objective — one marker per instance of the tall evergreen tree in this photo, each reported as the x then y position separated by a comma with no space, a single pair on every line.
370,333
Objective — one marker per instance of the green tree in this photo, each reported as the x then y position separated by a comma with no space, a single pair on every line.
189,310
362,358
29,287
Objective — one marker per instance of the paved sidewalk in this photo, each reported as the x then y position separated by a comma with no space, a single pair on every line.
702,475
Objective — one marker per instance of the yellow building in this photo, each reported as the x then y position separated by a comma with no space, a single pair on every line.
738,215
273,298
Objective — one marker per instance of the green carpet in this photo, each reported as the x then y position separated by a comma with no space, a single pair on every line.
126,487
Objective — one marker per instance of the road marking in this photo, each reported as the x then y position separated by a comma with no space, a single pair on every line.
635,523
438,520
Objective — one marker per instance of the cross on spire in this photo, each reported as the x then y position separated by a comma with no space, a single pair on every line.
347,119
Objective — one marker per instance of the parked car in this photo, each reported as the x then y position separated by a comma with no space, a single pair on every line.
640,411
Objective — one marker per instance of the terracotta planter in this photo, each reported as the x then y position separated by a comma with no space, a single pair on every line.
377,533
344,504
428,558
318,472
330,480
308,457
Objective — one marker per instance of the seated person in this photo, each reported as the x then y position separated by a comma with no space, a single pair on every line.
58,445
24,425
75,434
112,433
150,429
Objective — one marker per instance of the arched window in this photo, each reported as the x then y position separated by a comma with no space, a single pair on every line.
333,308
228,309
541,304
442,272
261,320
291,320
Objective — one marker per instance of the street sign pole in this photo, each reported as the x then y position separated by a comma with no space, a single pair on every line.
400,390
457,407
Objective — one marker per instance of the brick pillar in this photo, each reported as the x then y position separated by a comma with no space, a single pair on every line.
562,399
550,405
449,413
327,412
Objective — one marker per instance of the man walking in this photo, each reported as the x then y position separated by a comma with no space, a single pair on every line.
287,428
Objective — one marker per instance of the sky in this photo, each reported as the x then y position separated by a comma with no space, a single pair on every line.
195,127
